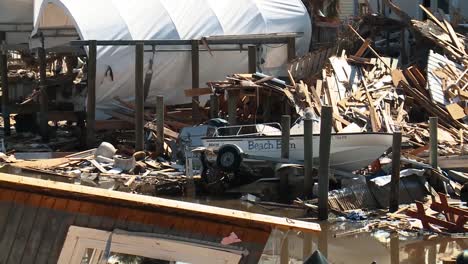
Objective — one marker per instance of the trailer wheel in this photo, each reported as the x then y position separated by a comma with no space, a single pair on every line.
229,159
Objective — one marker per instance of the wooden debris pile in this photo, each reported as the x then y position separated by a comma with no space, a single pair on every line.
136,172
443,35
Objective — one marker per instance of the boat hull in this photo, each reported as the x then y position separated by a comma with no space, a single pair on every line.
348,152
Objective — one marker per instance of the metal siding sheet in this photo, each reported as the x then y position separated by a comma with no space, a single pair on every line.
434,83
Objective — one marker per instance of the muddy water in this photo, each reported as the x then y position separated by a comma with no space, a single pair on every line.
379,246
294,247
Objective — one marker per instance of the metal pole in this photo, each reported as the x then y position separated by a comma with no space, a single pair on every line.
395,182
308,157
91,100
44,100
324,158
5,86
252,59
433,124
284,179
160,125
214,106
291,48
195,80
139,97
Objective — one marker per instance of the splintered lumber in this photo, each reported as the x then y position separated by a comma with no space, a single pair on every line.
453,36
433,18
375,120
98,166
136,200
363,48
456,111
371,49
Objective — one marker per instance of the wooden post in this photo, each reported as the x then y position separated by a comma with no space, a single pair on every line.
252,59
323,240
404,55
267,109
160,125
324,158
5,86
284,257
306,245
233,97
394,248
195,80
284,179
44,100
91,99
285,134
214,106
139,97
291,48
433,124
395,182
308,157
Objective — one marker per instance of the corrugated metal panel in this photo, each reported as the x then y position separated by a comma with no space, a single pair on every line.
346,9
434,83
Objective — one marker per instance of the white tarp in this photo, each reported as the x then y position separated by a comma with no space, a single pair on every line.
16,18
172,19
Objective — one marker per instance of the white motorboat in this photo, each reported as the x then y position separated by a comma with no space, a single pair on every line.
349,151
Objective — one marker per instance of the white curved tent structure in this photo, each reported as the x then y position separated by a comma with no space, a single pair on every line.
174,19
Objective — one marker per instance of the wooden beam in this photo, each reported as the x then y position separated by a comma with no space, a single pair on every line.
44,100
363,48
139,97
195,92
91,99
252,59
195,80
80,191
5,86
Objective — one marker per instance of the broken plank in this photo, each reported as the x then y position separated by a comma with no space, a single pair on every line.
206,211
455,111
98,166
363,48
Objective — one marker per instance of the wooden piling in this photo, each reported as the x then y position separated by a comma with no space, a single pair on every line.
43,98
306,245
291,48
214,106
266,108
285,135
5,86
233,97
395,180
322,243
433,124
91,99
308,158
196,117
284,255
139,97
324,159
252,59
394,248
160,125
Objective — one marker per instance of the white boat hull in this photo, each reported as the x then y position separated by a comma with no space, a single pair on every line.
348,152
